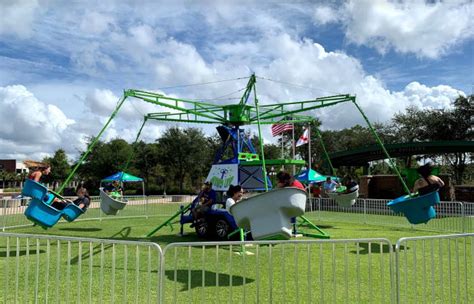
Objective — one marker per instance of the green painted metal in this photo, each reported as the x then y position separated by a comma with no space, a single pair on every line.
361,156
274,162
133,145
91,146
379,141
191,111
248,90
168,222
325,151
304,221
240,114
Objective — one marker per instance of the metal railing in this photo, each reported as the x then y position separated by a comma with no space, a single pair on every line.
457,217
12,210
433,269
65,269
340,271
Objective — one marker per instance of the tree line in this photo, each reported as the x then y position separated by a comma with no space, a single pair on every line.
180,159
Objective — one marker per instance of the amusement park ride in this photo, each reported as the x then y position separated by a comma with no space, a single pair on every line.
245,166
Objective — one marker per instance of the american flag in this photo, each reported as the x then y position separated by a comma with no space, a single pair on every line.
277,129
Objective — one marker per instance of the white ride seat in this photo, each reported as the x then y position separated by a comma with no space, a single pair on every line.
268,215
110,205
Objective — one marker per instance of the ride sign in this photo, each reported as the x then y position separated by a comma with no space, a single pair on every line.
222,176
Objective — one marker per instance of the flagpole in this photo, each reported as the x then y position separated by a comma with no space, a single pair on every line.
294,147
309,148
282,156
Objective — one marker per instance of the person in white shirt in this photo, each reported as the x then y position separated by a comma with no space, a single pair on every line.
329,185
234,195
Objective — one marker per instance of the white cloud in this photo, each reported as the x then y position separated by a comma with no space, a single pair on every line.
309,65
137,51
28,123
92,59
324,15
421,96
97,23
184,58
17,17
425,29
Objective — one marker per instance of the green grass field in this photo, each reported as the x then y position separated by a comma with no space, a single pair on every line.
293,272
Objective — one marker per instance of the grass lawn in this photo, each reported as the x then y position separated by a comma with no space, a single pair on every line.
294,272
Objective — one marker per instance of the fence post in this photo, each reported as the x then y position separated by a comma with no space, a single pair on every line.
146,205
319,208
397,272
4,214
365,210
100,210
464,218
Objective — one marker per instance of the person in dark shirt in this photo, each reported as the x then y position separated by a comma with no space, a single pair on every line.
83,199
351,185
207,197
114,189
427,183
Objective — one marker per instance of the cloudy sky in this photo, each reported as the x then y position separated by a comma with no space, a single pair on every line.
65,64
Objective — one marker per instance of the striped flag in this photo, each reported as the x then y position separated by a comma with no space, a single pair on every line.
277,129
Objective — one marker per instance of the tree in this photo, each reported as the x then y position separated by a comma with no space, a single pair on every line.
60,167
146,162
437,125
455,124
105,159
183,155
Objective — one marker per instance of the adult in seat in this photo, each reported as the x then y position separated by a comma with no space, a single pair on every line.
234,195
427,183
39,172
329,185
207,197
351,184
284,179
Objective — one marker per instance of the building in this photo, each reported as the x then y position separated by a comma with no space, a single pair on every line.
13,166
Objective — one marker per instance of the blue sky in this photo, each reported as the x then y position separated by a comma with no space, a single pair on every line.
65,64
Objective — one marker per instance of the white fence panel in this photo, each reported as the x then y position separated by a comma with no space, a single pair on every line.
435,269
321,271
44,269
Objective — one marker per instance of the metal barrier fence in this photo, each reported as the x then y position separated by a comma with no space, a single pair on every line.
435,269
46,269
456,217
339,271
11,210
63,269
451,216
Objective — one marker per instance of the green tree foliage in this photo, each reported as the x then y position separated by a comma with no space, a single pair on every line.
185,156
60,167
146,163
104,160
437,125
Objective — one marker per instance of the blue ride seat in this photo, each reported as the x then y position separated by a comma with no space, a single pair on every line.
34,190
418,209
42,214
71,212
